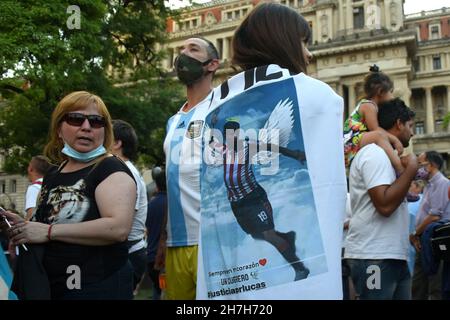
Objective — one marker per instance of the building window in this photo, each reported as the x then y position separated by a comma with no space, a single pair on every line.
438,125
2,186
244,12
434,32
437,62
170,57
13,186
420,127
358,18
289,3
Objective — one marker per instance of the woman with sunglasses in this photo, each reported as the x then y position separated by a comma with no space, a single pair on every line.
86,206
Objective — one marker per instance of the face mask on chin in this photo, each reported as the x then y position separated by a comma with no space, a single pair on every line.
189,70
83,156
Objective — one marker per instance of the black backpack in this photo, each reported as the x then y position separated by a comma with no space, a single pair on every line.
440,242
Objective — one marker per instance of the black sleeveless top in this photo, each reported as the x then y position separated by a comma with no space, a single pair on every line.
70,198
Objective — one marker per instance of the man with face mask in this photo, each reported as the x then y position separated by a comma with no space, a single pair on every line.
434,207
195,67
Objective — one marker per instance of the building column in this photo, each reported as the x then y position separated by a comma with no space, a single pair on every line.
349,16
448,60
225,49
339,89
406,97
341,20
425,60
429,111
351,98
387,15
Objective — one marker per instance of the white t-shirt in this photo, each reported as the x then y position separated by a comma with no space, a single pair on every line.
371,235
138,227
32,194
348,215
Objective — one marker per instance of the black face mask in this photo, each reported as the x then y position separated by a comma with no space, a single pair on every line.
189,70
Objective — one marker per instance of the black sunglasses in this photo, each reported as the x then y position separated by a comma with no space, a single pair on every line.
77,119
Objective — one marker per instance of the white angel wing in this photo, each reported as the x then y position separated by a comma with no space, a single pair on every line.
276,130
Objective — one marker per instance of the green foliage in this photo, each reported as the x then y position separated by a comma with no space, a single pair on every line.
42,60
446,120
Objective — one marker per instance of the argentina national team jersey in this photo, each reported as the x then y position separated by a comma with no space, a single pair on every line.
183,149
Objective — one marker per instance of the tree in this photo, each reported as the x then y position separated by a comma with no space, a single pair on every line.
43,57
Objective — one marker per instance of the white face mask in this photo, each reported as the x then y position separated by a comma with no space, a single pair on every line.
83,156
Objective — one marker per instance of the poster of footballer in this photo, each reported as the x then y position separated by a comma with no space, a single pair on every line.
259,225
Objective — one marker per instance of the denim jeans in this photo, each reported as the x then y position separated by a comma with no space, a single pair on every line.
383,279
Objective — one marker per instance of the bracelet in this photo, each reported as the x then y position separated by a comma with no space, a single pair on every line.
49,232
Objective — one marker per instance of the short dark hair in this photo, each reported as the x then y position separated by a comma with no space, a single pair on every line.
124,132
211,49
376,82
391,111
271,34
41,164
434,158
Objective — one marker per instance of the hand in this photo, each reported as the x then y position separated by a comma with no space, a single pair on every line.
299,155
410,162
29,232
160,259
398,146
12,218
415,242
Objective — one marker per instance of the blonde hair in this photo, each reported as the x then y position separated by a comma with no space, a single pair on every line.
77,100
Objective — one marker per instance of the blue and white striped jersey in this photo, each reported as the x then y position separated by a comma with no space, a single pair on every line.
183,149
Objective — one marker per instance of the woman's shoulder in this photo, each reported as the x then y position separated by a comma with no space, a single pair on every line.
318,86
110,165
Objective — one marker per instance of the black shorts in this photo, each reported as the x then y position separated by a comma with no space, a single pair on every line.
254,212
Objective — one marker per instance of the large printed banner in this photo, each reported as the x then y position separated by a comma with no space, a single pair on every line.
272,189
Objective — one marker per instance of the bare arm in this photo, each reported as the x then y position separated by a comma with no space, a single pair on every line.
370,115
160,257
29,214
115,198
428,219
387,198
414,239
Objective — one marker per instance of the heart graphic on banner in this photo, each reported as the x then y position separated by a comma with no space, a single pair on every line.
262,262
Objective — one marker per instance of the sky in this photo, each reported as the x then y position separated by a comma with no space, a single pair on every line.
411,6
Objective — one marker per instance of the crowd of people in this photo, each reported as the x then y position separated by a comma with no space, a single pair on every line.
88,211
